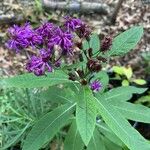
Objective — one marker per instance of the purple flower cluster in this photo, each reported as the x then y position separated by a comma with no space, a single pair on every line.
95,86
45,39
22,37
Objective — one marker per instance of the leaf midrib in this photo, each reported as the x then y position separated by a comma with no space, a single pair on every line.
115,120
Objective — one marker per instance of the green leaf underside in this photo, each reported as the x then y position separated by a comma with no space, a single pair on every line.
86,115
96,142
121,127
126,41
73,139
45,129
131,111
30,80
121,93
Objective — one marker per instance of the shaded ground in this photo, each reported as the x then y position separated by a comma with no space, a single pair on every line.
132,13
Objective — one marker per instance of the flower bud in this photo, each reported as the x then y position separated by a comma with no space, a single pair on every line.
106,43
94,65
72,77
84,82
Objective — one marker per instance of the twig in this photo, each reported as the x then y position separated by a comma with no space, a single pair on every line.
116,10
82,7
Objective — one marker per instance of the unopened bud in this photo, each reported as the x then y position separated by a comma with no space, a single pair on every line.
94,65
106,43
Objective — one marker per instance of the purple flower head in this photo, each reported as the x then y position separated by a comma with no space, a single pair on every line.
63,39
72,23
18,37
39,64
22,37
45,30
95,86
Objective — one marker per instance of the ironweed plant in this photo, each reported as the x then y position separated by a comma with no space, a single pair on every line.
67,67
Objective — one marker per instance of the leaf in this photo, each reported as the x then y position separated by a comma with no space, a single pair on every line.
94,43
102,76
128,72
125,83
85,45
45,129
139,81
144,100
85,115
110,145
134,112
126,41
123,93
30,81
96,142
118,70
121,127
73,139
56,94
105,130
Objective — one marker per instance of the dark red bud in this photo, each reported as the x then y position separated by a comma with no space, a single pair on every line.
72,77
84,82
106,43
79,45
102,59
94,65
81,73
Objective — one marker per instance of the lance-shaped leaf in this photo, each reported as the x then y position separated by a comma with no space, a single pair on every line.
126,41
86,114
30,80
133,111
45,129
73,139
96,142
121,127
121,93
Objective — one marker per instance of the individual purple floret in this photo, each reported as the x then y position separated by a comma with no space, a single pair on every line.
45,30
72,23
38,65
63,39
22,37
95,86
